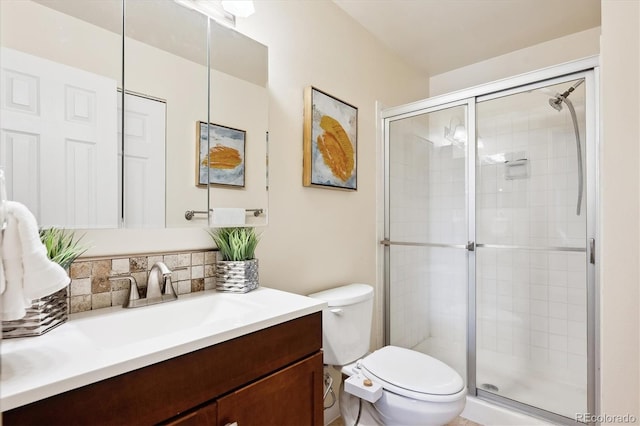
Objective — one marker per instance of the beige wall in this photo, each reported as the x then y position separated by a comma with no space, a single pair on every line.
620,195
319,238
69,41
554,52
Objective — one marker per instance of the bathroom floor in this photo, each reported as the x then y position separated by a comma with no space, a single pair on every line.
460,421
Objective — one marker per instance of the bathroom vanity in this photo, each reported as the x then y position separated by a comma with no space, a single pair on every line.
260,365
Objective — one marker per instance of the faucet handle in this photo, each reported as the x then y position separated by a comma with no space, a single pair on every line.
134,291
168,287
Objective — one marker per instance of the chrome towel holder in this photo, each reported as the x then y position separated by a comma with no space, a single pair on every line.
190,213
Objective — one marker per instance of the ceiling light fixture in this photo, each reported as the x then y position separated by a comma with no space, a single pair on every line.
239,8
212,9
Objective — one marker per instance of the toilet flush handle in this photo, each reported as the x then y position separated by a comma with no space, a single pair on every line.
336,311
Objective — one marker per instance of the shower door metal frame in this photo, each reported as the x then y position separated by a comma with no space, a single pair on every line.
387,242
589,250
587,68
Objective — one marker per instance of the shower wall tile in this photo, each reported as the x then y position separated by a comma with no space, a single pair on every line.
537,211
428,186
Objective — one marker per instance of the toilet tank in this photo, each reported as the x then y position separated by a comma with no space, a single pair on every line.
346,322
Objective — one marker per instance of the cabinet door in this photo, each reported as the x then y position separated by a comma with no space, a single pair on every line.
292,396
203,416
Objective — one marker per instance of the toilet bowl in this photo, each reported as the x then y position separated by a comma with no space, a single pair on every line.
416,389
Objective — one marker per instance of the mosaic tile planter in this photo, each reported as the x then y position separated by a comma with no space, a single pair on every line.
237,276
43,315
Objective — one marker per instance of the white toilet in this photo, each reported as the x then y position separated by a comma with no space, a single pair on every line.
416,389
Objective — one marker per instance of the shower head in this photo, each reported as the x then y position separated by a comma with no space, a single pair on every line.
556,103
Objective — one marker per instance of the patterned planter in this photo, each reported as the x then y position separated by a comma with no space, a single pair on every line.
237,276
43,315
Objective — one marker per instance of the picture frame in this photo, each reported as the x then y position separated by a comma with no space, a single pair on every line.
223,161
330,141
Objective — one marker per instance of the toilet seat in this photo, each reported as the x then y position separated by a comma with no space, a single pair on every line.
413,374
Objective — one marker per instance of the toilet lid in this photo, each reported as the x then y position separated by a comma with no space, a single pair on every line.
399,370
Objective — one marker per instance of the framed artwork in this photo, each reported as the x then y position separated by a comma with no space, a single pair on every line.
330,141
220,162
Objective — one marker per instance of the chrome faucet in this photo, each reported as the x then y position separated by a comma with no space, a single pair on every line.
159,282
159,288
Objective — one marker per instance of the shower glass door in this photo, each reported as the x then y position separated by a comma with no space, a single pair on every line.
490,262
426,230
531,247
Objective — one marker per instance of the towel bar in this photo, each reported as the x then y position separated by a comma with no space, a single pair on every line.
190,213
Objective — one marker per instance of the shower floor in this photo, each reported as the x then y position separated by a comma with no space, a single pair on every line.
513,380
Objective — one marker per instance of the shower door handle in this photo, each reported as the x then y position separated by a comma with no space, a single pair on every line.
592,251
387,242
471,246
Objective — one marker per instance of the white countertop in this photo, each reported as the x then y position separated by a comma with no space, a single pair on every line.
95,345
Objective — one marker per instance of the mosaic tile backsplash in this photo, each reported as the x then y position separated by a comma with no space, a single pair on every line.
92,288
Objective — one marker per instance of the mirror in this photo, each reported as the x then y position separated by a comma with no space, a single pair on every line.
165,77
167,91
60,77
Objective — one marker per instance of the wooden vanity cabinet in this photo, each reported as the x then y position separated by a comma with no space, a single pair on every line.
270,377
284,398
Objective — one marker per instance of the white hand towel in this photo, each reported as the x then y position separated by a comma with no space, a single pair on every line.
42,277
228,217
13,300
3,223
2,279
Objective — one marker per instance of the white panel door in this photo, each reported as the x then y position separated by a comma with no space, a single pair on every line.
58,141
144,163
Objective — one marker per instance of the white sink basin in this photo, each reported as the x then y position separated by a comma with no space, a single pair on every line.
93,346
125,326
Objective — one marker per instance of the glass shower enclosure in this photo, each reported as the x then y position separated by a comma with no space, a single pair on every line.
490,203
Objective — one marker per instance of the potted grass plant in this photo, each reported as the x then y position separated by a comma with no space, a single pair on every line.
50,311
62,246
237,267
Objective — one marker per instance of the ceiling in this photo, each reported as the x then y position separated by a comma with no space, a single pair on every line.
442,35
